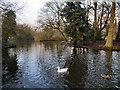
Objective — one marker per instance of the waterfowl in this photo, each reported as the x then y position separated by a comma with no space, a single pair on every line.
107,65
92,60
63,70
104,76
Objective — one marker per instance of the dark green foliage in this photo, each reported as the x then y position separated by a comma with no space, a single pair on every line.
24,32
77,21
8,25
12,31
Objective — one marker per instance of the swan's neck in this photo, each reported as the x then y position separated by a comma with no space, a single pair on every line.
58,68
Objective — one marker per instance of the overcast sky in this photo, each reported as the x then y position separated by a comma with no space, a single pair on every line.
29,14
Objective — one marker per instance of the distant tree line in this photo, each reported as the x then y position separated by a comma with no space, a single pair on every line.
10,28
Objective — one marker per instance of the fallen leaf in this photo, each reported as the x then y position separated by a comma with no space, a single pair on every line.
105,76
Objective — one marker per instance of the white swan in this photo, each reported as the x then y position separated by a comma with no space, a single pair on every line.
61,70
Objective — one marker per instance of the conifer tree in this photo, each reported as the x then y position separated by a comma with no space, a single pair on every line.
76,21
8,25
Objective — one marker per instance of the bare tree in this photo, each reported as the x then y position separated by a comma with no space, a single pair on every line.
101,17
51,18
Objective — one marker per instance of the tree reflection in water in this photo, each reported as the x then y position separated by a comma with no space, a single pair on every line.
77,70
9,66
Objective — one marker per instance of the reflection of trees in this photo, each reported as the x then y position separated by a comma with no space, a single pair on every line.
60,51
9,63
48,45
55,50
77,71
95,51
51,45
108,61
26,44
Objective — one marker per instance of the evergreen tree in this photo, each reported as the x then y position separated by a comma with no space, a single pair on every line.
76,21
8,25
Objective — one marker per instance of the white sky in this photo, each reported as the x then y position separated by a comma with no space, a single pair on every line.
29,14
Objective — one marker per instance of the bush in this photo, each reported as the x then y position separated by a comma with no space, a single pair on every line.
24,32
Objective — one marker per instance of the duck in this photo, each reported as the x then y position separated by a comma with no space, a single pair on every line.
63,70
92,60
105,76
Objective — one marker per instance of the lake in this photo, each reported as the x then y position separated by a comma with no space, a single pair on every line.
33,65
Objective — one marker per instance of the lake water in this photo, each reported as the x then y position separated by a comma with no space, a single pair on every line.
33,65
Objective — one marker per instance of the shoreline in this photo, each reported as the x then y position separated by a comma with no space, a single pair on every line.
98,45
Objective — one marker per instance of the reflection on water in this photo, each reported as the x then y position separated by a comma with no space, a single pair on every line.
33,65
77,70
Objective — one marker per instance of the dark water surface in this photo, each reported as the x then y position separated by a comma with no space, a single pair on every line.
33,65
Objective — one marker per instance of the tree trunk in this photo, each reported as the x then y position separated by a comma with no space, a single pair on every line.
75,38
109,42
106,33
95,21
99,34
99,31
118,34
62,34
101,16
